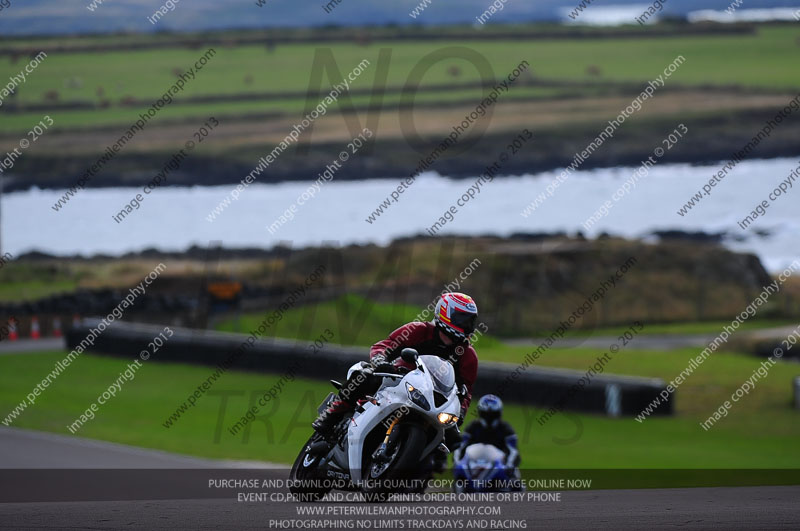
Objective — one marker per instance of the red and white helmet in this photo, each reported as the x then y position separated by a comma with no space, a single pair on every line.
456,314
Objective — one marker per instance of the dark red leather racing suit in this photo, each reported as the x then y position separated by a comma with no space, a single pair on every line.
424,337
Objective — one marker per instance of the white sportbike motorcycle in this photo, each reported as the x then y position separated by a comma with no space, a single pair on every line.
386,446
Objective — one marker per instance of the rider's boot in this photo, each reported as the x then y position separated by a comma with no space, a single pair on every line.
452,440
439,456
331,416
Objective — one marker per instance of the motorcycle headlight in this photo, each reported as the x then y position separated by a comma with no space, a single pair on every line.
417,397
447,418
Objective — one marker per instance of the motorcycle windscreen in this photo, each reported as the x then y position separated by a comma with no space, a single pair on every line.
442,373
483,452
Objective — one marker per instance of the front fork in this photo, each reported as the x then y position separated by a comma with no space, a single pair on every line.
380,455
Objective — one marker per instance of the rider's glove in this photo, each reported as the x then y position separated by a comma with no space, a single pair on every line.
458,454
379,363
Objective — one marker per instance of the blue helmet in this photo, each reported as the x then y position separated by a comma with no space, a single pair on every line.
490,408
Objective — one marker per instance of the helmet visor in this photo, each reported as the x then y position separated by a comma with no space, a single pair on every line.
489,416
465,321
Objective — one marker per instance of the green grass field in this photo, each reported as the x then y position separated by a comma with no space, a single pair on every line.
340,316
700,396
761,63
123,116
668,329
760,432
250,69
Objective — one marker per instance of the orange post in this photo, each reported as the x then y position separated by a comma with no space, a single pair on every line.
35,332
12,330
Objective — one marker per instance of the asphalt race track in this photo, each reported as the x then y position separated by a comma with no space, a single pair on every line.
761,508
34,449
32,345
734,508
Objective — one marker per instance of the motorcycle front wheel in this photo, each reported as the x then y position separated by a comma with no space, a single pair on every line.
402,464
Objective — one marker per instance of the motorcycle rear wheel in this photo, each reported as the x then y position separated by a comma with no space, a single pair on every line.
307,483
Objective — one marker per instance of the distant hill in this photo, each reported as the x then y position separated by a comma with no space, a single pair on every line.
33,17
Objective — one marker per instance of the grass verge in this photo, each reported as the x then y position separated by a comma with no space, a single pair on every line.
761,431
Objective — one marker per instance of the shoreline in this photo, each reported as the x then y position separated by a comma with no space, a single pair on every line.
552,149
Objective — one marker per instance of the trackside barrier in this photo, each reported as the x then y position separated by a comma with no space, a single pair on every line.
607,394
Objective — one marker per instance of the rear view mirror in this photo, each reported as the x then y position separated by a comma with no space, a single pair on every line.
409,355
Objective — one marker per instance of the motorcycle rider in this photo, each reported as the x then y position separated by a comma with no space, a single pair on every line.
447,336
491,429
